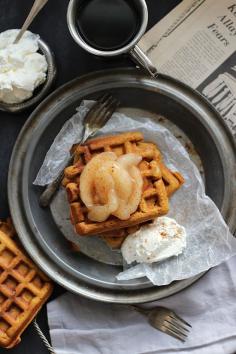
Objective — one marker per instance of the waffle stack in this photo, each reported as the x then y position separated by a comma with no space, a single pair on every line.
159,183
23,288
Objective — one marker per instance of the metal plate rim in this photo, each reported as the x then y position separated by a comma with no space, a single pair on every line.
151,294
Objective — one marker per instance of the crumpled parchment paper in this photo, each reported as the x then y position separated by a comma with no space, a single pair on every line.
209,241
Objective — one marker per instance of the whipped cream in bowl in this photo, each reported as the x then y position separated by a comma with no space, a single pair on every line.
155,242
27,70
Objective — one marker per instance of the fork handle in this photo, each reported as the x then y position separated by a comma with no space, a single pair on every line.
140,310
50,190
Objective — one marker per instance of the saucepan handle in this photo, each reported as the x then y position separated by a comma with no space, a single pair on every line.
141,58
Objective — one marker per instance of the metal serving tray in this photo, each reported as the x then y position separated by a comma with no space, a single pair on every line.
139,95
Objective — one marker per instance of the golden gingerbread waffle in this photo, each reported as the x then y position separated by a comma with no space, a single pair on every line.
115,238
23,291
7,227
154,201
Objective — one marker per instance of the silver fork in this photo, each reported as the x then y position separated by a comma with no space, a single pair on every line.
94,120
166,320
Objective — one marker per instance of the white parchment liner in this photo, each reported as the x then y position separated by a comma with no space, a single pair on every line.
209,241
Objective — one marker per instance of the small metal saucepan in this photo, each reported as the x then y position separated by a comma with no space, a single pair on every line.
131,48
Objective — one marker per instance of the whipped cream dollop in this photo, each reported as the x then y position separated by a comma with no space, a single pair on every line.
22,69
155,242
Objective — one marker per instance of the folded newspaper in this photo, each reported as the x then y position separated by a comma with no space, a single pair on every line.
196,43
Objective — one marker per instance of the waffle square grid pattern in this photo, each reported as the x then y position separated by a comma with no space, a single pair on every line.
23,289
159,183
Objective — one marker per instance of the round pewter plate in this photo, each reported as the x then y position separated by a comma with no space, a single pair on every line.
139,95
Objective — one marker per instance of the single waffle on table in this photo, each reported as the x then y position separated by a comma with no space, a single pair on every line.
158,182
23,289
7,227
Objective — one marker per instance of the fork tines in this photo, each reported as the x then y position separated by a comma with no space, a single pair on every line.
108,101
101,110
176,327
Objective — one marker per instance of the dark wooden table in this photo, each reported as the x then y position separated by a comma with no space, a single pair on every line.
72,61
